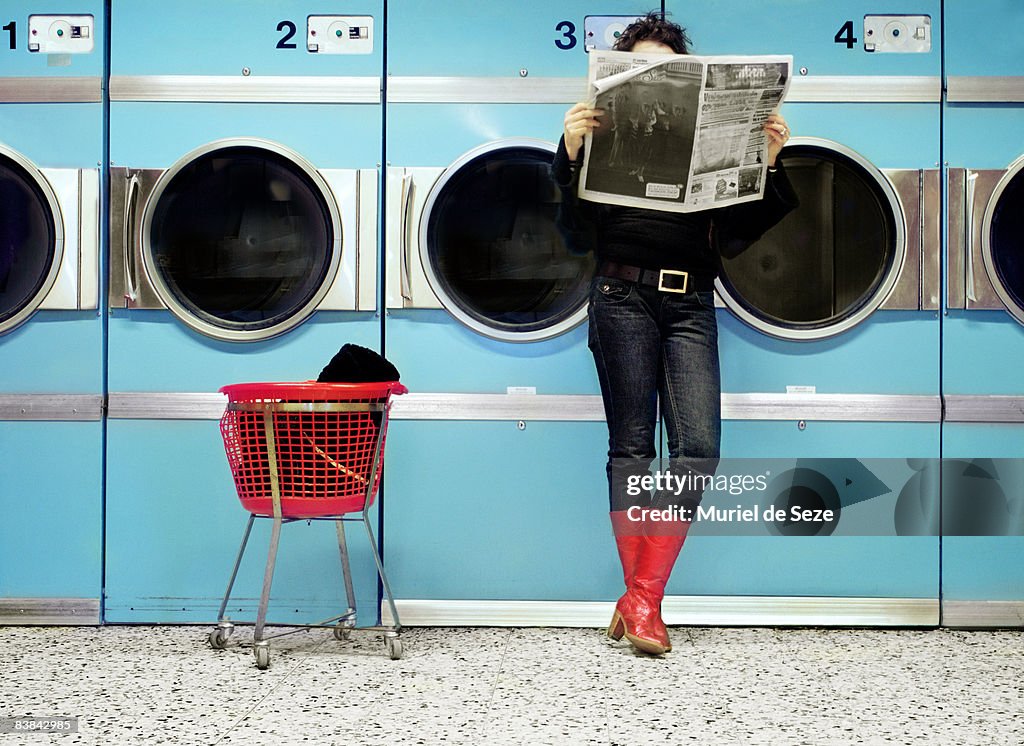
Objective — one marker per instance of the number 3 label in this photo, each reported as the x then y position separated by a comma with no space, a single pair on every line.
568,30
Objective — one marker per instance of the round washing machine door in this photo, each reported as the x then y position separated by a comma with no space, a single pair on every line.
830,263
1002,239
31,238
491,250
241,239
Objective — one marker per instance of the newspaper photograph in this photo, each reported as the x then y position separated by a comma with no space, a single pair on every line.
680,132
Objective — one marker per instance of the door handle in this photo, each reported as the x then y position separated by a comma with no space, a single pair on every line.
970,178
405,266
128,229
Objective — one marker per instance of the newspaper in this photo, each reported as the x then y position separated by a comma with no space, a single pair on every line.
680,132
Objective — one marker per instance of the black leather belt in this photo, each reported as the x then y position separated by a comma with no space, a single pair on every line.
666,280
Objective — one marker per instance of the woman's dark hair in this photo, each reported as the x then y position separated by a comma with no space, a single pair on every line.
654,27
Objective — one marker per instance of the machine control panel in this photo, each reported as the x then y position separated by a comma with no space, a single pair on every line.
897,34
601,32
61,34
339,34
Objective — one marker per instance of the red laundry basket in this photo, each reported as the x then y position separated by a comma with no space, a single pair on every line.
320,446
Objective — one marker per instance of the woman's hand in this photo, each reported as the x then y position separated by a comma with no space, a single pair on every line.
579,121
778,133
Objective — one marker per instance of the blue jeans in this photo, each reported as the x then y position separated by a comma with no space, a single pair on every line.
649,344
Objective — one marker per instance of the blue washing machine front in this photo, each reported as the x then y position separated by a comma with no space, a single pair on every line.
51,333
244,152
485,313
983,331
829,331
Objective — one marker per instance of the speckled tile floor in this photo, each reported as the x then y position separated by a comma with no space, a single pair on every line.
164,685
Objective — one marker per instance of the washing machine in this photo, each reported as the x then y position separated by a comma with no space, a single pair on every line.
983,328
51,331
496,461
244,152
829,326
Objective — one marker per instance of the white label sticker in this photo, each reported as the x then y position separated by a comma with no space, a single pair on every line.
60,35
339,34
531,390
801,389
664,191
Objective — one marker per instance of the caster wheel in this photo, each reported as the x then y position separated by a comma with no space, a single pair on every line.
394,646
262,653
219,639
342,632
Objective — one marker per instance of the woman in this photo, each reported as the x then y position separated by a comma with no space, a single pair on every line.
653,334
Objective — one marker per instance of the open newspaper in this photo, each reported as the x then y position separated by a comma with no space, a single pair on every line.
680,132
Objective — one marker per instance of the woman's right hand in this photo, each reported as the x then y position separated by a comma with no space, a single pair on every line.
579,121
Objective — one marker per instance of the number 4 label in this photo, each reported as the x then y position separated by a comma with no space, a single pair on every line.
845,35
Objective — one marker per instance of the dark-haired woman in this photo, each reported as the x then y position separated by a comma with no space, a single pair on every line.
653,334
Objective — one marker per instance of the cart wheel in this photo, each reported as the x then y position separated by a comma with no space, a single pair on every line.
219,638
394,646
342,632
262,653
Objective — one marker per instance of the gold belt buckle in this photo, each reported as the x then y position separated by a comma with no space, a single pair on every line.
661,280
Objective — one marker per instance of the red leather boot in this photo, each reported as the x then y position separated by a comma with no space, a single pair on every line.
629,539
638,612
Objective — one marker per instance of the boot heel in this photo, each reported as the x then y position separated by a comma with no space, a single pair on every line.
618,626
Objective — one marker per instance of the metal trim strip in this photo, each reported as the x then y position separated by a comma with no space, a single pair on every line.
866,88
845,407
694,610
49,611
305,407
906,290
956,218
931,240
424,89
984,408
985,89
552,407
40,90
410,89
982,287
562,407
247,89
841,407
52,407
970,614
133,405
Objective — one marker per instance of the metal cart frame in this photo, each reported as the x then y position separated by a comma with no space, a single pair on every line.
344,623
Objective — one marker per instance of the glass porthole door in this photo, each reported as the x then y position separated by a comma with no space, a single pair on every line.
31,239
1003,239
241,239
831,262
491,249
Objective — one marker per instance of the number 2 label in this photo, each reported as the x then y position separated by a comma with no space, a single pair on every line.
286,41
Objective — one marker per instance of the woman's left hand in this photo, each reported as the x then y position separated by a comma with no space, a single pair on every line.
778,133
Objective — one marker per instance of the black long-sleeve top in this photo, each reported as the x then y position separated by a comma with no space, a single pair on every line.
658,239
